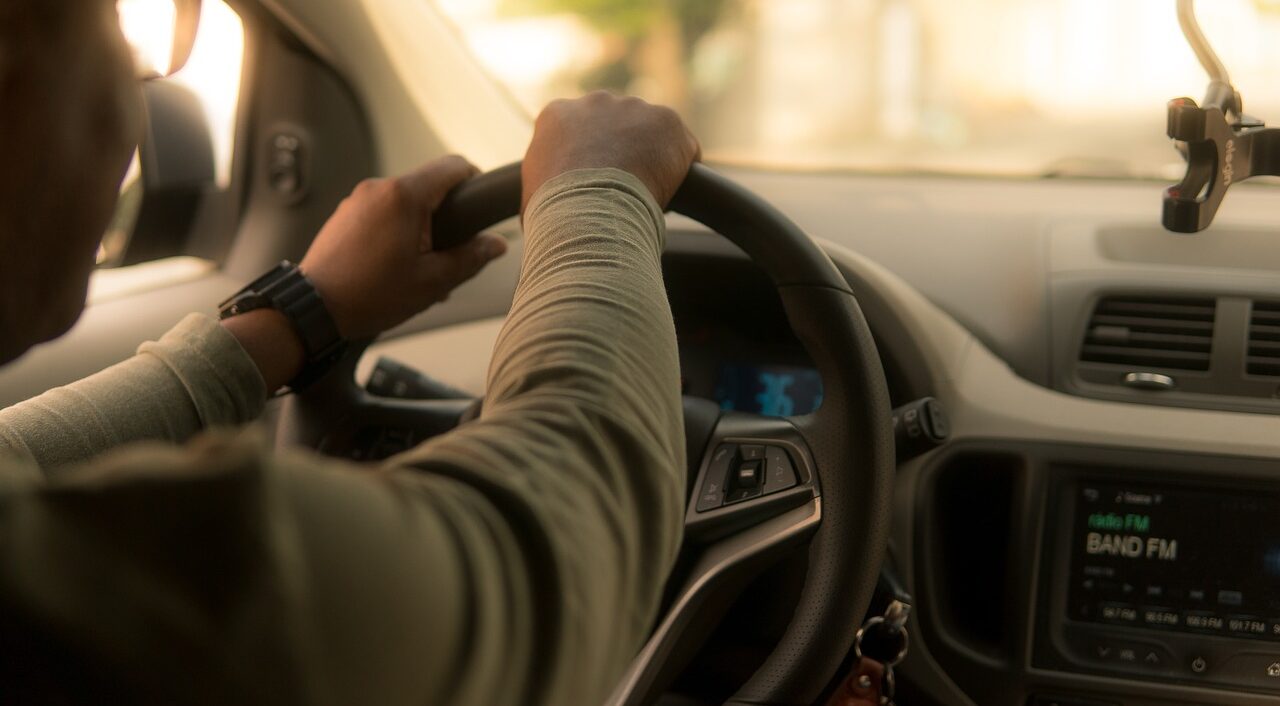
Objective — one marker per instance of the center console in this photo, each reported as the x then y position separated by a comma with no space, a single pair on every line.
1050,573
1173,578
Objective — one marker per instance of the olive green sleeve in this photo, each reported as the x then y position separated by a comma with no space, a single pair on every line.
196,377
519,559
578,457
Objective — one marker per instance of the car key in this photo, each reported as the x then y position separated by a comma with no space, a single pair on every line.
884,639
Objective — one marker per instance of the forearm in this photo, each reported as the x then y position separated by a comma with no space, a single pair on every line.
269,339
195,377
579,449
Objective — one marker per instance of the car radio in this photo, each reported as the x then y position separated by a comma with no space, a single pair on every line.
1169,580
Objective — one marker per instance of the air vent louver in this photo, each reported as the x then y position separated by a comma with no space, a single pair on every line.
1154,332
1264,340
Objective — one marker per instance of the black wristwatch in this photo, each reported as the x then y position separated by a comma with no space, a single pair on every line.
288,291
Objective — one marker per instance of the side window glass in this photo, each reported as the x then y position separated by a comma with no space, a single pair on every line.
183,167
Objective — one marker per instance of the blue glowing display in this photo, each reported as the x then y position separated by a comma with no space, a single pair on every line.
770,390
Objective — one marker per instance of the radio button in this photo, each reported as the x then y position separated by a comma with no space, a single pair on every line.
1230,597
1118,612
1126,654
1246,625
1164,617
1203,620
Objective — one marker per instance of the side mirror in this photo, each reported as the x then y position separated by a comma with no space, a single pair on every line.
177,171
161,32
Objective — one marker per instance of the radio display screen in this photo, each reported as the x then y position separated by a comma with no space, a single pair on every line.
1176,558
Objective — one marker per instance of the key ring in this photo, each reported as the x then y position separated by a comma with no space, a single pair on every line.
872,623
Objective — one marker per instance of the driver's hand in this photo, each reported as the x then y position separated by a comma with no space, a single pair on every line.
604,130
372,262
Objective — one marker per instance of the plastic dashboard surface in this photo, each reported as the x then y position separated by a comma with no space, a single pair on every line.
1015,602
996,411
978,602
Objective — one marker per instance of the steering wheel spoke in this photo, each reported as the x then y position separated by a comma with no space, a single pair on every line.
756,499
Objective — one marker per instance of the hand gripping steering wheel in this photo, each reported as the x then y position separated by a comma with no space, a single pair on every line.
841,457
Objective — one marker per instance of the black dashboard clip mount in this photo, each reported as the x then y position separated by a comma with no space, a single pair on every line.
1222,147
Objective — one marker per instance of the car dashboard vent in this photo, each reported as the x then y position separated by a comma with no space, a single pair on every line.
1264,339
1156,332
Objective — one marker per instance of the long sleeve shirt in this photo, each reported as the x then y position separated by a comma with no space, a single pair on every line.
153,552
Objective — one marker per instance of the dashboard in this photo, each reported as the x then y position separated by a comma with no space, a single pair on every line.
1064,547
993,534
988,313
736,347
979,291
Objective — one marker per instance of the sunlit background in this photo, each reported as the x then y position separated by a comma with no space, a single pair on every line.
1031,87
213,72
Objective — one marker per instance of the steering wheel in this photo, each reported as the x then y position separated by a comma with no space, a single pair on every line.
840,458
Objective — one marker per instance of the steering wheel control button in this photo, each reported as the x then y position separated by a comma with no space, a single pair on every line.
748,474
779,473
712,493
739,494
752,452
919,426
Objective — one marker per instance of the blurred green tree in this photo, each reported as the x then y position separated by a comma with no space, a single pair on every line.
651,40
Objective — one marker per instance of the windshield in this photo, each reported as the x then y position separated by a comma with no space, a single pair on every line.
1000,87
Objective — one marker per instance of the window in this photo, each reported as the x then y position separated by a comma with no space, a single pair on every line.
1010,87
211,80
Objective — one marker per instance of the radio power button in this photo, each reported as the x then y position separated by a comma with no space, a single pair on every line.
1198,665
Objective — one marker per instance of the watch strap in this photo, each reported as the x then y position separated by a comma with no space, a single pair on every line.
287,290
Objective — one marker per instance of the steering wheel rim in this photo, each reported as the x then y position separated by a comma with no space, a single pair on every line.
845,447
